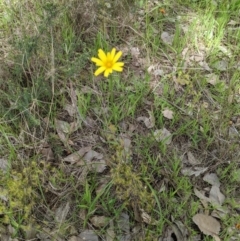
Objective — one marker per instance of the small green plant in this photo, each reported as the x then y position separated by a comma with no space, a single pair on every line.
18,192
129,185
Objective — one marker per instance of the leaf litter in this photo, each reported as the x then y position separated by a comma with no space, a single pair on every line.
87,157
148,121
92,160
207,224
168,114
163,135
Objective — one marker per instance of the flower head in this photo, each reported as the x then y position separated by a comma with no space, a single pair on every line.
108,62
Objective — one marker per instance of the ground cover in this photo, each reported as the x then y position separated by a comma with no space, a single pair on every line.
147,152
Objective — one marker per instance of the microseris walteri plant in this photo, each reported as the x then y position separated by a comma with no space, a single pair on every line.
107,62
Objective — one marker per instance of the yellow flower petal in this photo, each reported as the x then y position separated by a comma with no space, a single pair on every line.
107,72
109,56
100,70
97,61
117,56
107,62
118,66
113,52
102,56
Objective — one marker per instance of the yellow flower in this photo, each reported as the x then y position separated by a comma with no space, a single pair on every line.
108,62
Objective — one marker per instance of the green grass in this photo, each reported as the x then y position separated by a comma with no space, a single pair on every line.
46,75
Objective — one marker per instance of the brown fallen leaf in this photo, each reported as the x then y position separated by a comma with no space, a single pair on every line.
168,114
76,157
47,154
147,218
212,179
62,212
191,159
135,52
95,161
74,238
216,238
4,164
149,122
123,224
99,221
212,79
110,234
88,235
62,126
196,171
163,135
216,196
167,38
201,195
207,224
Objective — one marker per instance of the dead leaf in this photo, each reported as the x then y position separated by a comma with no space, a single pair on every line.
110,234
204,65
149,122
4,165
102,183
233,132
196,171
168,114
135,52
233,22
124,226
212,79
63,126
147,218
158,72
92,154
177,233
88,235
216,238
225,50
155,70
191,159
29,231
201,195
99,221
182,232
221,65
216,196
70,109
47,154
126,143
163,135
74,238
197,57
63,129
92,160
99,165
212,179
171,231
62,212
167,38
207,224
76,157
220,212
